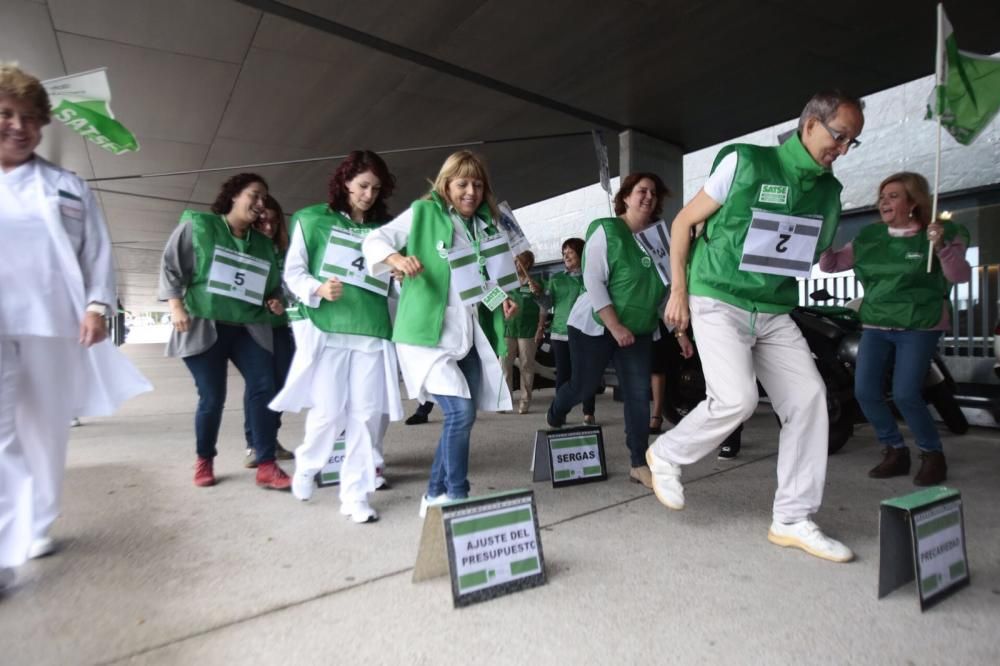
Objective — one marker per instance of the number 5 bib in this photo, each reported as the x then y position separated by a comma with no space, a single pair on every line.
344,261
237,275
780,244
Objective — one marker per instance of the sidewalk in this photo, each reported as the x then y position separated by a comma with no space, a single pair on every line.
152,570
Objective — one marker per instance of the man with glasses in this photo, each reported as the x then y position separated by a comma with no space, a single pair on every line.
768,213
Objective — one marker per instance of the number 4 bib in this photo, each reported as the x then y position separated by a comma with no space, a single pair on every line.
780,244
344,261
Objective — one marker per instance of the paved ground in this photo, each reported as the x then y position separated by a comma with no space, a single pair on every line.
152,570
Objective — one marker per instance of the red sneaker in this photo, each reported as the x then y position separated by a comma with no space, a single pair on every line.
272,477
203,474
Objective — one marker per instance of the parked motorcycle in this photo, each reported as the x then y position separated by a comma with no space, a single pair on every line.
834,335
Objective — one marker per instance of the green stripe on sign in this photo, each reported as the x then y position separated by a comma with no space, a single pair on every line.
254,294
469,293
250,268
220,285
592,471
339,445
491,522
463,261
524,566
375,282
573,442
494,251
929,584
563,474
473,579
330,477
337,240
957,570
508,279
937,525
336,270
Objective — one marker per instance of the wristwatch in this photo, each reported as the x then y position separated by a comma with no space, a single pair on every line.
98,308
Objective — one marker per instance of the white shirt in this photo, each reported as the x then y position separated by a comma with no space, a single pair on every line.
721,181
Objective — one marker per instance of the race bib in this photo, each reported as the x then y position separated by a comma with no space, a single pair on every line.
495,257
344,261
780,244
655,240
237,275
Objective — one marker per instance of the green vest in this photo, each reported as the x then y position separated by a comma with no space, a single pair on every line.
422,301
715,258
633,283
565,289
358,311
899,292
210,231
277,321
524,324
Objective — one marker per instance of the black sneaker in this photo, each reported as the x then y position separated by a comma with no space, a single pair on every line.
729,451
416,419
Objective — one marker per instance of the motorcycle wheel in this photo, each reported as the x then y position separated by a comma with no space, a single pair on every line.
943,398
841,416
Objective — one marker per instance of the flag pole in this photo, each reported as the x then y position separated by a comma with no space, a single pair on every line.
938,83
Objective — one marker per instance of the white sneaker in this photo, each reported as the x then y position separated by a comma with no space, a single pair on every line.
74,422
380,482
359,512
666,481
6,578
426,501
807,536
41,547
303,484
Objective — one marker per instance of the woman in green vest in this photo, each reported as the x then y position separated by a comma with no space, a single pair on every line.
522,331
904,311
272,224
217,274
563,289
344,371
448,349
617,316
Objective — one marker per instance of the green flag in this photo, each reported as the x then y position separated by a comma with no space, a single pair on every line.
967,95
83,103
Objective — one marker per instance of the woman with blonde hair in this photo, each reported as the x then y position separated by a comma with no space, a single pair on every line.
904,312
448,347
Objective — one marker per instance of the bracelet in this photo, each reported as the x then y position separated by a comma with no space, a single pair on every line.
680,334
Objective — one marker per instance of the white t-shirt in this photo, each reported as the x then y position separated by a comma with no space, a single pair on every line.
721,181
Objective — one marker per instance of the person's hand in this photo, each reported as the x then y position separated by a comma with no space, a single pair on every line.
539,336
180,318
935,233
397,275
331,290
687,347
677,314
622,335
92,329
535,288
408,266
509,309
276,306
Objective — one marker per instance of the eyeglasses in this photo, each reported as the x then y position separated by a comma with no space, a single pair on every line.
840,138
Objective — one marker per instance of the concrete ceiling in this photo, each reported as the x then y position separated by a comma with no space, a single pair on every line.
211,83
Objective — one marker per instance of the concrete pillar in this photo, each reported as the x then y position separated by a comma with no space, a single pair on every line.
640,152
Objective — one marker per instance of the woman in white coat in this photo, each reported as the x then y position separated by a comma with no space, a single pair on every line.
344,369
55,362
448,350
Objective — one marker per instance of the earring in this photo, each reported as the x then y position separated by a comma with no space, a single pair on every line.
911,214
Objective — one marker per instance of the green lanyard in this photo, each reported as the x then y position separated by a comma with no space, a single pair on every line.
473,237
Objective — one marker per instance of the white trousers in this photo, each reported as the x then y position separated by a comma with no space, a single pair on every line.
736,349
38,386
348,394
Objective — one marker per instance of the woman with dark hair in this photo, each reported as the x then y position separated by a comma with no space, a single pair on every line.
344,370
272,224
563,289
617,316
220,277
447,346
904,311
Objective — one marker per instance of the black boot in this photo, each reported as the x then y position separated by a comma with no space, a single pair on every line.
895,462
933,469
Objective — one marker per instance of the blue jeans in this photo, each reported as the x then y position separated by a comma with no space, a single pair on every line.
284,350
564,371
450,470
913,350
589,354
209,370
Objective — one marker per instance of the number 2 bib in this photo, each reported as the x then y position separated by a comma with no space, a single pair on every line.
780,244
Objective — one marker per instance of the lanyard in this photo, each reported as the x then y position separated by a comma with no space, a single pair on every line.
474,238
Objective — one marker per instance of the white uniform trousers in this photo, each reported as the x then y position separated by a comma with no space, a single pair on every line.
737,347
38,391
348,394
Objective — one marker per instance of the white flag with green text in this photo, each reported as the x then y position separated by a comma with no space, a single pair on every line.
82,102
